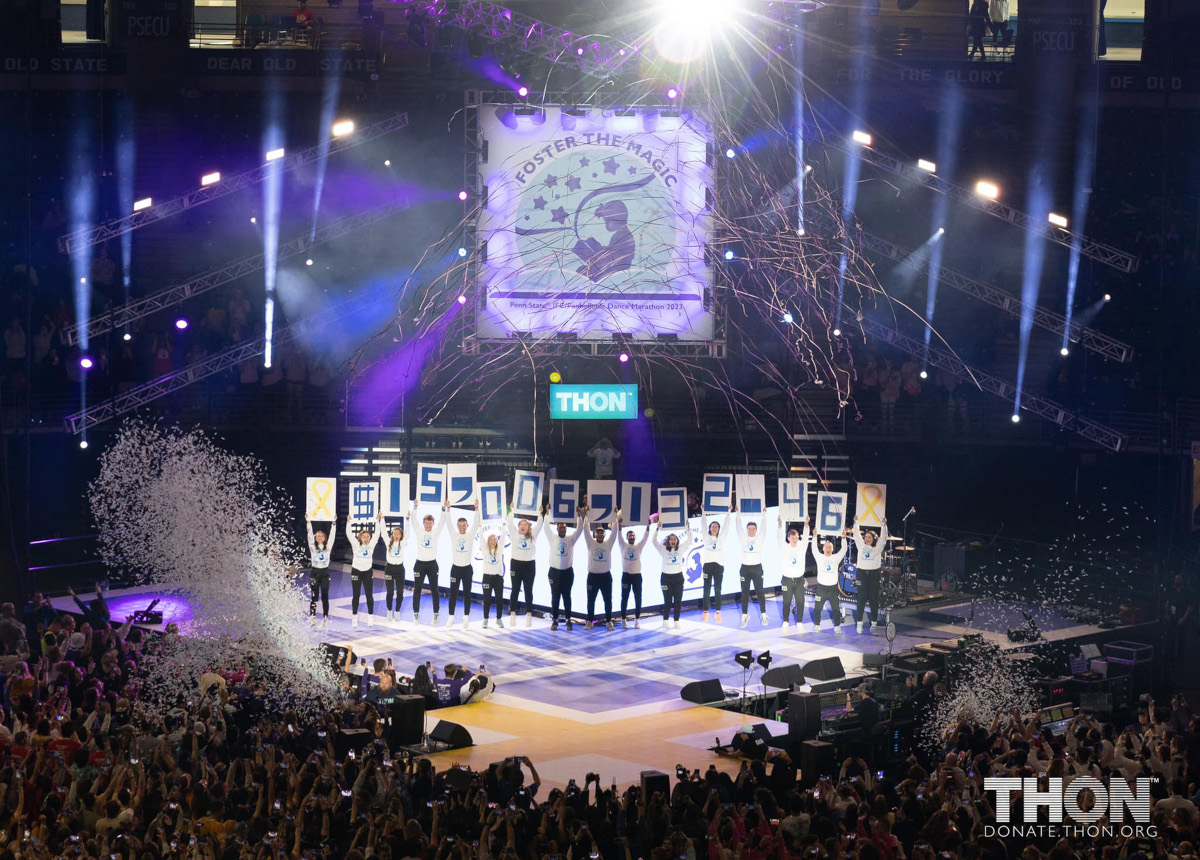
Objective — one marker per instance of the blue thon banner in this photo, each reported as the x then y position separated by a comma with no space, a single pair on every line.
594,401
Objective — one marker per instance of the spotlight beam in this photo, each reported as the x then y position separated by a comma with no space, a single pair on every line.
72,242
1043,318
1106,255
210,280
1056,413
135,398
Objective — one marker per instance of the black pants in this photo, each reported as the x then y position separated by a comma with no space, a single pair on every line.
977,41
360,579
521,576
318,581
631,582
868,594
560,591
672,587
599,583
832,595
425,571
793,589
753,573
493,591
392,574
460,574
713,575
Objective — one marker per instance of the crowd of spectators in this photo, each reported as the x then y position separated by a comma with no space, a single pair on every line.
89,770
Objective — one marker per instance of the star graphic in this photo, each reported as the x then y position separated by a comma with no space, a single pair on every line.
583,161
551,180
610,165
633,171
539,203
559,216
573,183
594,175
526,217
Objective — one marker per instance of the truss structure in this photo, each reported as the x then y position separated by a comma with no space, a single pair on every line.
136,398
1043,318
72,242
210,280
1056,413
1104,254
554,346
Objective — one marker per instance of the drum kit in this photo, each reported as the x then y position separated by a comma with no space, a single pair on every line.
897,579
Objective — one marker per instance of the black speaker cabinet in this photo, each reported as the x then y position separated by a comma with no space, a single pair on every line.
653,782
408,720
703,692
451,734
825,669
816,760
804,715
784,677
350,739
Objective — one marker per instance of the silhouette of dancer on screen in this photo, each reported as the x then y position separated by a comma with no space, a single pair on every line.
600,261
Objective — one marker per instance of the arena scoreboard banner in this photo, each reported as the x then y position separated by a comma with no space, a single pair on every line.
594,221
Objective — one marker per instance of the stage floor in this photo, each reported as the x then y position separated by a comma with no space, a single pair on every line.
608,701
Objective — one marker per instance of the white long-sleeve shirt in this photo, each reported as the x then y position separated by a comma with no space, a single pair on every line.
827,565
490,564
712,551
674,560
793,554
600,552
363,554
751,544
463,545
562,549
319,558
427,541
523,547
631,553
870,557
395,550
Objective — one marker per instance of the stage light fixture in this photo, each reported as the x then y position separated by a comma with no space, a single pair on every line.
1057,220
730,152
181,323
462,252
745,659
800,231
837,332
764,659
989,190
210,178
787,317
85,363
253,220
387,162
83,280
924,374
462,300
83,444
556,377
579,52
1016,419
927,166
1064,351
463,195
941,231
127,336
623,357
144,203
862,137
308,262
673,93
1108,297
808,168
343,127
523,91
275,154
729,255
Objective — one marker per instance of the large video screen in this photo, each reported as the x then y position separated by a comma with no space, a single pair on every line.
595,222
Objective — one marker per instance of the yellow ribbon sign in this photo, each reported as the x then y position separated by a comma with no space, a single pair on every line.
322,498
872,504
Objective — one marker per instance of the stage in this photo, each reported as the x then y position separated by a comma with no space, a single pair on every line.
608,701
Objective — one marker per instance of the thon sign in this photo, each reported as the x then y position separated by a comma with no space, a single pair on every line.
593,401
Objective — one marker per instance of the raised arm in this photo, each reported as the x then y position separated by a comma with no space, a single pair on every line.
883,533
658,545
612,537
350,531
724,530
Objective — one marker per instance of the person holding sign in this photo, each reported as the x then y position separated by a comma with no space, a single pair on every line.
712,560
319,555
362,565
869,559
491,569
752,570
425,568
599,577
674,559
631,573
793,548
562,570
393,572
524,537
462,544
828,564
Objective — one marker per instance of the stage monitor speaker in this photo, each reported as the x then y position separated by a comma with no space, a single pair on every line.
949,565
784,677
408,720
350,739
451,734
825,669
874,661
654,782
703,692
816,760
804,715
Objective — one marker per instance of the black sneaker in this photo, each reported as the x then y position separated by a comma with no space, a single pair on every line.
570,624
554,624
